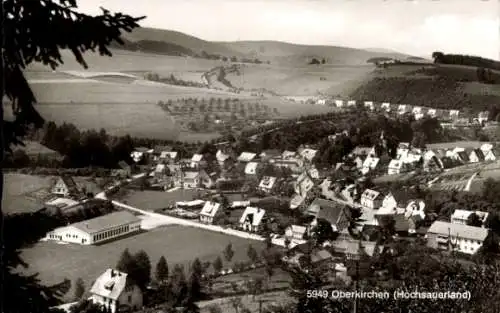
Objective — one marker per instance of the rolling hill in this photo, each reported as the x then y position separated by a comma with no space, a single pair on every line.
176,43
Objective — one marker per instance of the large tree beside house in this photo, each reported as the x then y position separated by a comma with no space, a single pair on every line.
35,32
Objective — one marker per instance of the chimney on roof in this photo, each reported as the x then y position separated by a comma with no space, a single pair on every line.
113,273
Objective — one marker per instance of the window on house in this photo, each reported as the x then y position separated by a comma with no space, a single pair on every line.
129,298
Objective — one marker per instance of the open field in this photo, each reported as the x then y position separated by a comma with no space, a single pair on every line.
295,81
179,245
128,61
151,200
24,193
17,190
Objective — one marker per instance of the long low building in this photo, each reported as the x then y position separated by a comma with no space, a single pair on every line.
97,230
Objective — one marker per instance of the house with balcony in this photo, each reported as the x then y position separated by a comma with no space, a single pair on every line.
456,237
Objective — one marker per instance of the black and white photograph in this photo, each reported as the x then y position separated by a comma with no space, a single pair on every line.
250,156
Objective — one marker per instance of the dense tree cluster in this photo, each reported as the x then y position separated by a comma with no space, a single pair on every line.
470,60
438,93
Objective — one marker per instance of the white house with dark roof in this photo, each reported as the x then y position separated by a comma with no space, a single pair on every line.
457,237
97,230
209,212
339,103
431,112
267,183
454,113
168,156
369,105
461,216
351,103
402,109
141,153
369,164
395,167
296,232
371,199
308,154
476,155
196,160
246,157
115,291
66,186
252,218
385,106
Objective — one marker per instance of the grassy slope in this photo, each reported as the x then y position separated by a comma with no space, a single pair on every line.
442,86
300,54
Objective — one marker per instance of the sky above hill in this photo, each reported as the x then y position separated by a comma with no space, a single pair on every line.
416,27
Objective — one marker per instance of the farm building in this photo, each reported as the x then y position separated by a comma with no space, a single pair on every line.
96,230
116,292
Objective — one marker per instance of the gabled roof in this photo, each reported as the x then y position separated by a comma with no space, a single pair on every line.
394,163
403,197
168,154
70,183
298,229
267,182
371,194
271,153
464,214
246,156
479,153
110,284
251,168
191,174
359,151
327,210
221,156
458,230
288,154
463,155
308,153
143,150
197,157
107,221
371,162
252,215
210,208
354,247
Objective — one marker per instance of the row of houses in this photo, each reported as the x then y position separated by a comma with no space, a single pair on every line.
407,158
417,111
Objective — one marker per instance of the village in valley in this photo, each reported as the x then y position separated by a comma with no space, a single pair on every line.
287,199
199,176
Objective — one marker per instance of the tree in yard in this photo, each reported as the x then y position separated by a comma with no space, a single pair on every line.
79,289
322,232
126,263
474,220
35,32
194,287
177,286
252,254
228,252
197,268
437,56
217,265
143,264
161,273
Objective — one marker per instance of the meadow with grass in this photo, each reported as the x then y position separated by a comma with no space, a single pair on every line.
179,245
